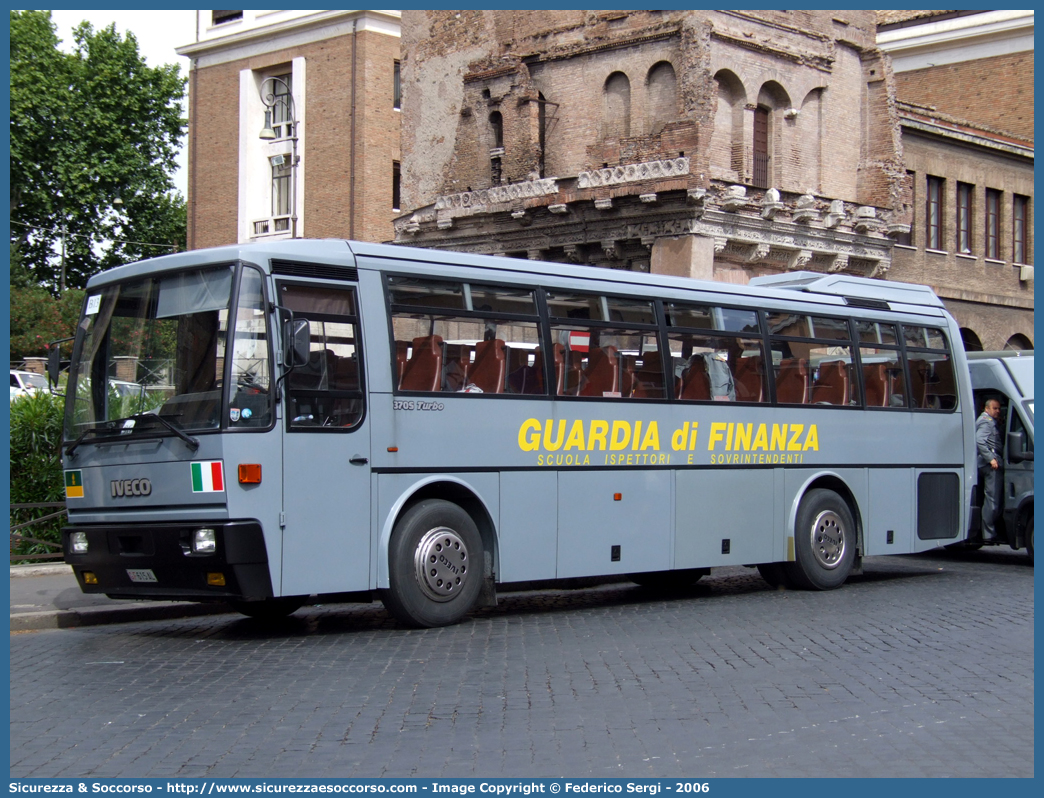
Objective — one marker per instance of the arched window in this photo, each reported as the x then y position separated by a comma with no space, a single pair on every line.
617,106
773,101
661,97
496,129
971,340
1019,342
761,147
542,132
727,149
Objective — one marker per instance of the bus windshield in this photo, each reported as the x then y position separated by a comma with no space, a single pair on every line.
157,346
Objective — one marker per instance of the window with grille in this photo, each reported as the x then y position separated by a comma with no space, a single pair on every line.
1020,236
933,213
964,206
761,147
993,223
396,197
281,176
397,87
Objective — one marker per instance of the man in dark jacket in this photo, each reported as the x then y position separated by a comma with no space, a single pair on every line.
988,443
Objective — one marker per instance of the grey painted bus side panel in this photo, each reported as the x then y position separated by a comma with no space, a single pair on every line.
528,531
591,522
737,505
891,508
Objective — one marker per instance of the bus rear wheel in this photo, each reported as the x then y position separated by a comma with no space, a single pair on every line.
434,565
775,573
269,609
824,542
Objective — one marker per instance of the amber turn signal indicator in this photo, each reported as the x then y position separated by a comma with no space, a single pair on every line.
617,497
216,579
89,578
249,473
393,449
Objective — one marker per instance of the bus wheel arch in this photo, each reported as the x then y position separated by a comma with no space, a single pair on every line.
469,502
827,535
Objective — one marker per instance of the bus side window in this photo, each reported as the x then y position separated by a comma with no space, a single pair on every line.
326,392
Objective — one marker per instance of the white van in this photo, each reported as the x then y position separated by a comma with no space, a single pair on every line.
1008,377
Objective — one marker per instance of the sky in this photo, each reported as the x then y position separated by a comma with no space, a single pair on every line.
157,32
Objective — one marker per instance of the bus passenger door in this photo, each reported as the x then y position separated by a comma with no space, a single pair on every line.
326,451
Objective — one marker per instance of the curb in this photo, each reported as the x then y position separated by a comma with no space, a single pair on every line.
47,569
124,613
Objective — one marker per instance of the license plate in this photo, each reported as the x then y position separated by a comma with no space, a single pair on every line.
141,575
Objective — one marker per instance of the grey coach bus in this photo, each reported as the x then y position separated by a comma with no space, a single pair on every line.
345,421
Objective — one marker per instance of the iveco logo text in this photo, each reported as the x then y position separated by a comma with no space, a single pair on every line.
130,487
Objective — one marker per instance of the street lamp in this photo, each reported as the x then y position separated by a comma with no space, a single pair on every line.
272,101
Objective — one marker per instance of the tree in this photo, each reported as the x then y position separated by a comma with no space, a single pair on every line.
88,128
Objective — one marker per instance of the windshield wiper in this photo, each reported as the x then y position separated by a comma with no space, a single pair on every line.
193,443
115,433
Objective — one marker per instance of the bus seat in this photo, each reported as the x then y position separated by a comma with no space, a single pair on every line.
423,370
401,350
522,377
694,384
458,359
831,385
648,379
308,377
940,391
792,381
602,374
875,384
750,380
490,366
344,375
558,365
628,366
573,372
918,376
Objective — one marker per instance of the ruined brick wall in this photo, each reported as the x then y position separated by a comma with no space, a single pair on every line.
833,127
996,92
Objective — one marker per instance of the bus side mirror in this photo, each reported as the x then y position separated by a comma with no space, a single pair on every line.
54,362
54,366
300,342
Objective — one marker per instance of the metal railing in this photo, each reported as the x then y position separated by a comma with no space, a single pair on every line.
17,537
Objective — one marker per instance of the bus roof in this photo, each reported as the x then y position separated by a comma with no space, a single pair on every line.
830,289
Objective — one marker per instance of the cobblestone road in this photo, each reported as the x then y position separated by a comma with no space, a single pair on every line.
923,666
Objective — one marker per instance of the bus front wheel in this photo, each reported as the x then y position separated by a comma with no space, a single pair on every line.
434,565
824,542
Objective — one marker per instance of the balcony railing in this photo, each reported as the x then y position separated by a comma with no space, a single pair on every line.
272,226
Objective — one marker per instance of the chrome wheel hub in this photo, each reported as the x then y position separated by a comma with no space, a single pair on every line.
442,563
828,539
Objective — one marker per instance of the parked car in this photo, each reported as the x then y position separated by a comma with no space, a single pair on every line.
24,383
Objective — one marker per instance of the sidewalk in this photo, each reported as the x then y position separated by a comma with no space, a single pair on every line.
48,597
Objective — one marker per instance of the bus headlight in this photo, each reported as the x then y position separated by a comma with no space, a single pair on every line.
78,542
204,541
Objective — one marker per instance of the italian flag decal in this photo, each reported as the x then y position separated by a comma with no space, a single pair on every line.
74,484
208,477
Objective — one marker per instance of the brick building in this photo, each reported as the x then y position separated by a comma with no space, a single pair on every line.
711,144
965,85
334,74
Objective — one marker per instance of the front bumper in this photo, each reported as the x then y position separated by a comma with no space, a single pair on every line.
115,551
